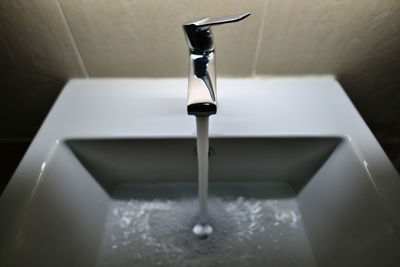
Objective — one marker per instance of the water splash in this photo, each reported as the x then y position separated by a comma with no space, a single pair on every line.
247,231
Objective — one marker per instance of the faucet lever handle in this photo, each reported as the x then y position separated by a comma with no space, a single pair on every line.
198,33
206,22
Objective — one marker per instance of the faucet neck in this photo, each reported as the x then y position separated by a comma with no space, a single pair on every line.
202,85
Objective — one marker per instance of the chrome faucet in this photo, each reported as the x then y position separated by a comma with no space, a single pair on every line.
202,97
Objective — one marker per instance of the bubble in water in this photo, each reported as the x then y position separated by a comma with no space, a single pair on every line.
202,231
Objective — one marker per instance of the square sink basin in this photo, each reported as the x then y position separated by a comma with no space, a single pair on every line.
111,180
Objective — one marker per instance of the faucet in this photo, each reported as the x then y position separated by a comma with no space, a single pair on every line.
202,98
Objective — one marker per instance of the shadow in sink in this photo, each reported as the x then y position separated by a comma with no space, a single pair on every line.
287,160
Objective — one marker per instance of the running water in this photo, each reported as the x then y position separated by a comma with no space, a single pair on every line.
202,229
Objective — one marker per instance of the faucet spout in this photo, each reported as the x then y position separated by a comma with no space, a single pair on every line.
202,84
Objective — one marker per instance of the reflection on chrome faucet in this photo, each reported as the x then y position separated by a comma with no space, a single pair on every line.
202,100
200,70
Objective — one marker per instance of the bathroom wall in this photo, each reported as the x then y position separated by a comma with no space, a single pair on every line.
45,42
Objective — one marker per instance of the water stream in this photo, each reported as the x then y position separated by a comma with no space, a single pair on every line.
202,229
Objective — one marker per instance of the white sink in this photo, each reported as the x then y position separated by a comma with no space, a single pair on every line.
293,150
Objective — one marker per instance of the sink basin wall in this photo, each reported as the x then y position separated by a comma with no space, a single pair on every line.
291,160
345,219
63,220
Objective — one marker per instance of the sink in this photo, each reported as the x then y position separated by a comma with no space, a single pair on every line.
296,179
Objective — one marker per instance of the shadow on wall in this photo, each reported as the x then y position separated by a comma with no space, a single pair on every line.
36,58
25,102
374,86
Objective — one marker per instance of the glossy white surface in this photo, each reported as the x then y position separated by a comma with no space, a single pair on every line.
53,210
